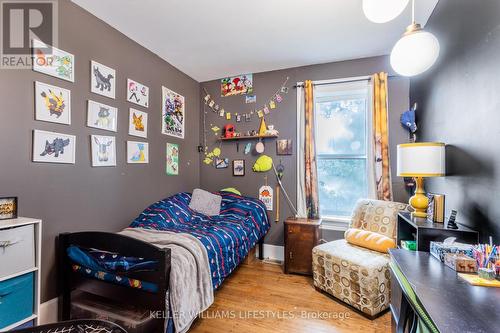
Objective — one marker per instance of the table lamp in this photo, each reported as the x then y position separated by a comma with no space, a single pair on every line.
420,160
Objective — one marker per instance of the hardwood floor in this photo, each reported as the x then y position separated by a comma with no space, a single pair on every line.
259,297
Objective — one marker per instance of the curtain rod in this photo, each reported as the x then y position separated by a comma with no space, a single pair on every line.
342,81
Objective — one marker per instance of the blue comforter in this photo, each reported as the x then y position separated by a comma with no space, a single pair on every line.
228,237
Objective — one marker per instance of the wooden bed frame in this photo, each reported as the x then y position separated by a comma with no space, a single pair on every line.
70,281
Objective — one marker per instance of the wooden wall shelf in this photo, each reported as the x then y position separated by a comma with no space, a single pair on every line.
254,137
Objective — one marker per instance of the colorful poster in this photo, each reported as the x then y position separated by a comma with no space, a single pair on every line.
53,61
266,196
172,159
173,113
237,85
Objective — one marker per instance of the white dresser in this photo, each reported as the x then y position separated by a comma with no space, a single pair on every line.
20,251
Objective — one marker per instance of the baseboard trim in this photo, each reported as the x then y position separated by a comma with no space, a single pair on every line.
48,312
273,252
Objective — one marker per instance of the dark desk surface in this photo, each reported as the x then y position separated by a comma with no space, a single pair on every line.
453,304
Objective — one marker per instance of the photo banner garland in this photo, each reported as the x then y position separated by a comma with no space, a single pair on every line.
265,109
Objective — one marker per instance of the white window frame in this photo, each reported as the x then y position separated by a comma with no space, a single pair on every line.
339,223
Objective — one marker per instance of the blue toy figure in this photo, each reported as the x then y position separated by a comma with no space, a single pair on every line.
408,121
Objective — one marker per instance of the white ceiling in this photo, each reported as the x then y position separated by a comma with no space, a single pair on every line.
211,39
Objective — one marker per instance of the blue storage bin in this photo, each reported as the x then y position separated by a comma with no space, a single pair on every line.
16,299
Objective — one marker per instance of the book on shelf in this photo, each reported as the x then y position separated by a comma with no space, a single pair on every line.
435,211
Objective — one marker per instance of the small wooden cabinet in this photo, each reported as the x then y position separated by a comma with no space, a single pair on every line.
301,235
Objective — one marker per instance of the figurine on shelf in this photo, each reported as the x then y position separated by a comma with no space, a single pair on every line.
451,221
229,131
271,131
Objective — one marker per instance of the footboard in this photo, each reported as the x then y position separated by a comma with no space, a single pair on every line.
126,246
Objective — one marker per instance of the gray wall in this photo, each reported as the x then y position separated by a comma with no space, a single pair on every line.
284,118
459,105
79,197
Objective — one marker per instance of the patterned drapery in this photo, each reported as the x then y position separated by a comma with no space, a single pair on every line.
311,172
381,137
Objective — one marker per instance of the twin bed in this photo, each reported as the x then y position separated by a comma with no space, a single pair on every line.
169,260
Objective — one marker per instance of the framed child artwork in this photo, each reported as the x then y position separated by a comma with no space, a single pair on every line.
101,116
52,104
238,167
137,152
102,79
51,147
172,159
138,123
53,61
103,150
137,93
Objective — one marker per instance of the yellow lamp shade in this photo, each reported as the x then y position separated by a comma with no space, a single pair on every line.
422,159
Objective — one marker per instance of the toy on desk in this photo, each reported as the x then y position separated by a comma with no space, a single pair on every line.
451,221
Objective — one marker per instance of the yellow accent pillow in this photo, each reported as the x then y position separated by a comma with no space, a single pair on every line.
370,240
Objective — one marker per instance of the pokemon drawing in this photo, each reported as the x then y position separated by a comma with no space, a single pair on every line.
54,103
138,156
103,152
132,88
103,119
139,126
102,82
55,147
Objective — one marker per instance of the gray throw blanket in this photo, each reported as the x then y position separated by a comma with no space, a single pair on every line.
191,290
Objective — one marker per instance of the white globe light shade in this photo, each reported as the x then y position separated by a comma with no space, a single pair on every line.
415,53
381,11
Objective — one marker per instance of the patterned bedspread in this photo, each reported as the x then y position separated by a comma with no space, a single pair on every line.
228,237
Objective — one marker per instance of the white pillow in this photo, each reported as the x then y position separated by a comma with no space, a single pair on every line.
206,203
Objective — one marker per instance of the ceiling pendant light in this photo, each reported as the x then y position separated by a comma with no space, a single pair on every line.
416,51
382,11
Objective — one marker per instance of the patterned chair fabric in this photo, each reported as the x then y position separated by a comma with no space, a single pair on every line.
355,275
377,216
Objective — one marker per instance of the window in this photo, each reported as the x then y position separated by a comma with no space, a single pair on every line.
342,146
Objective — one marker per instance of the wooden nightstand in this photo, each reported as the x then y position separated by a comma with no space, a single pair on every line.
301,235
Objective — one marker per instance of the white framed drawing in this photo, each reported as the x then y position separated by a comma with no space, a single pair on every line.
52,104
137,93
52,61
102,79
103,150
173,113
138,123
102,116
52,147
137,152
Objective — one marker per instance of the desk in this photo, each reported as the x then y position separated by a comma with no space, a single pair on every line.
452,304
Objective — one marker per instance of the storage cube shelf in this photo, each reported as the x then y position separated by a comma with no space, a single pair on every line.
20,252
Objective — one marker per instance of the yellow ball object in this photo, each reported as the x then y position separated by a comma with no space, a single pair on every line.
207,160
264,163
216,152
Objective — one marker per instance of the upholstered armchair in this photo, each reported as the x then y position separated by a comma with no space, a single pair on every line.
356,275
